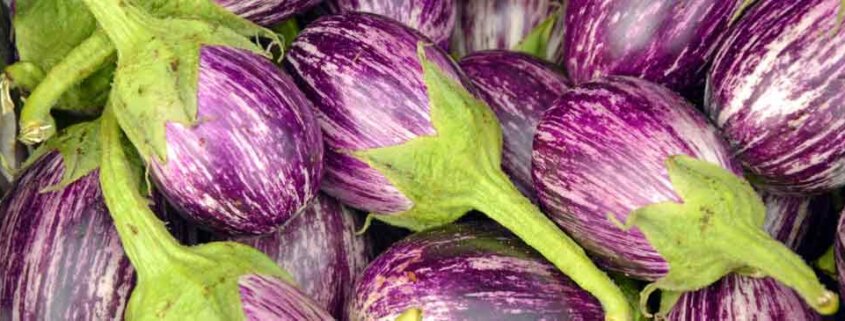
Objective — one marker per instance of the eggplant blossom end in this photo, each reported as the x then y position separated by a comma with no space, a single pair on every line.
718,229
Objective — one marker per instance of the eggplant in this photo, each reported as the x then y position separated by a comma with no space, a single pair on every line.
519,88
533,26
839,251
267,12
433,18
805,224
321,250
640,178
229,139
408,142
667,42
774,92
466,271
266,298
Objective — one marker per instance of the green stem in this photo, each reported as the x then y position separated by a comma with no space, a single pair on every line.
497,197
25,75
777,261
121,21
146,241
36,123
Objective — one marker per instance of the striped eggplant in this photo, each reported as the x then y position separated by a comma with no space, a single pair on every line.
774,92
628,150
407,142
266,298
667,42
805,224
267,12
468,272
230,140
508,24
433,18
321,250
839,251
519,88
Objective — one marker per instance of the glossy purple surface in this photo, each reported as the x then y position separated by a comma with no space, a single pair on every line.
518,88
775,92
321,250
363,74
267,12
503,24
255,157
267,298
433,18
468,272
601,150
667,42
803,223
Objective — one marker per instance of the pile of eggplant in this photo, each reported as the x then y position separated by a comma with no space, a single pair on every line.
422,160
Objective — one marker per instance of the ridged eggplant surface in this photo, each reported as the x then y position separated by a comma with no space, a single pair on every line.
267,12
433,18
503,24
344,83
60,256
667,42
601,150
267,298
321,250
774,91
254,158
468,272
519,88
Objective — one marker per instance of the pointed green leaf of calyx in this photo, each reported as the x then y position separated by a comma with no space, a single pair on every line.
536,43
718,229
158,65
174,282
412,314
79,147
827,263
459,168
288,30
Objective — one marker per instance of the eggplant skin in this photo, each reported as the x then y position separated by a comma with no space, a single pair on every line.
433,18
266,298
667,42
60,256
739,298
839,251
519,88
775,92
612,137
254,159
321,250
267,12
466,271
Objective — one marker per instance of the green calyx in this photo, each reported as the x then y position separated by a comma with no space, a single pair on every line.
175,282
827,263
458,169
536,43
158,64
79,147
718,229
412,314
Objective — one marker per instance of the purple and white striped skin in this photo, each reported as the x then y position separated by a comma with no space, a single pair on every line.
518,88
60,256
839,253
503,24
468,272
667,42
741,298
433,18
321,250
268,298
254,158
802,223
267,12
384,67
774,91
601,150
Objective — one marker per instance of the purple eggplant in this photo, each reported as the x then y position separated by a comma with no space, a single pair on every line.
408,142
805,224
774,92
667,42
839,251
321,250
505,24
519,88
628,150
267,12
266,298
433,18
468,272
